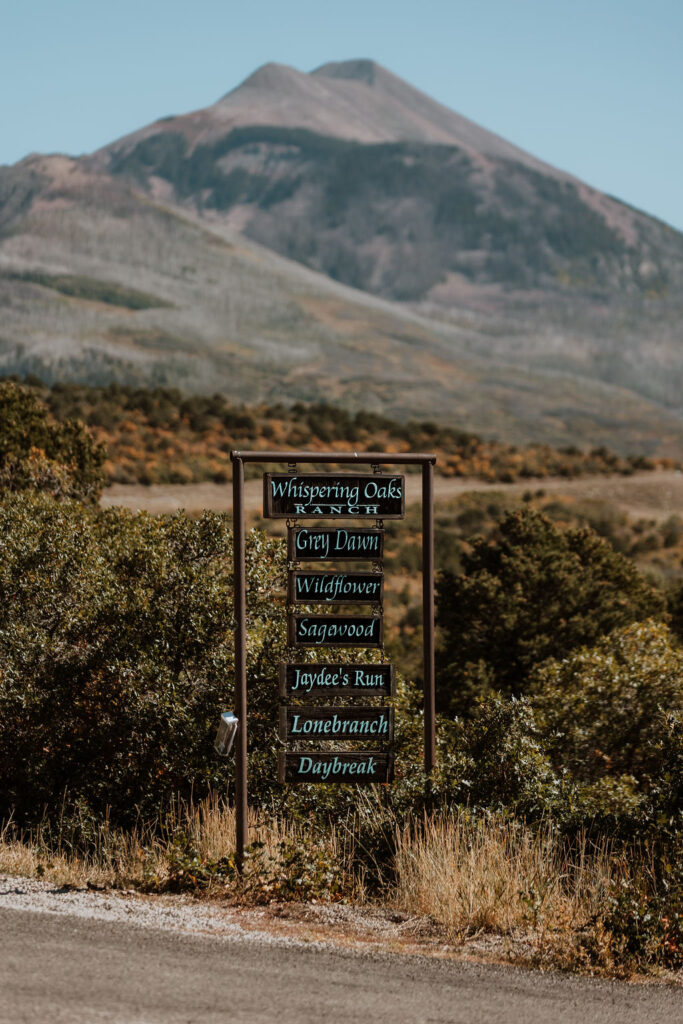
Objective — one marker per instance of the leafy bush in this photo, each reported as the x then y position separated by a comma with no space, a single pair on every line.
116,654
675,608
38,454
645,916
497,760
606,710
291,871
532,593
597,744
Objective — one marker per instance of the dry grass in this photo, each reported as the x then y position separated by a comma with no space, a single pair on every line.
467,875
118,859
470,878
499,876
143,857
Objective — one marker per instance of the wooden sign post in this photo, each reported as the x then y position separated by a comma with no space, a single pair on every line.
350,495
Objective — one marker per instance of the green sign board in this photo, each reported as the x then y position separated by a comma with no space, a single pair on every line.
337,678
335,631
331,544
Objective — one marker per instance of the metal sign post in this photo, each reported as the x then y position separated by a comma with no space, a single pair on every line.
428,613
317,496
240,602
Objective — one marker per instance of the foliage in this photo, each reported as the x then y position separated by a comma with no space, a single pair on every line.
295,871
291,871
606,710
656,548
37,453
532,593
116,653
644,915
186,869
161,435
675,608
597,746
116,658
497,760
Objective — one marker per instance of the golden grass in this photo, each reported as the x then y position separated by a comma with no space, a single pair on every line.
497,875
127,859
141,857
470,876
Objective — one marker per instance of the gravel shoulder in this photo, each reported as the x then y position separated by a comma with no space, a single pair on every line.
315,924
84,957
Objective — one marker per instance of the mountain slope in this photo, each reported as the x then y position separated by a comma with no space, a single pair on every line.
372,164
449,273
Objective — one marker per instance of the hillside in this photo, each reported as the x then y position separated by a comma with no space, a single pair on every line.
340,236
162,436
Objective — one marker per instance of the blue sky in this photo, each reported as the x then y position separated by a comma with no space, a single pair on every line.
595,88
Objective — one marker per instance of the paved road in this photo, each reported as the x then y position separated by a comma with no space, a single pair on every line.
61,969
652,495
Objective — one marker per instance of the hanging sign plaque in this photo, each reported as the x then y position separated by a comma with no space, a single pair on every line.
316,766
332,678
335,587
349,723
323,496
335,631
325,544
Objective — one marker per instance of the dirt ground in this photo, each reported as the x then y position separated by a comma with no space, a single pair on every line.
649,495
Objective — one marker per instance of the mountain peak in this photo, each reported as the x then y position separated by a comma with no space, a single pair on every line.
360,70
356,99
270,77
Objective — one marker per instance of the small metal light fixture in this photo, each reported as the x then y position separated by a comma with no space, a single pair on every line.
225,737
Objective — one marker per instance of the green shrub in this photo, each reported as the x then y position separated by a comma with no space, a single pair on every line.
597,745
116,654
531,593
40,455
496,760
674,603
606,710
645,915
116,657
